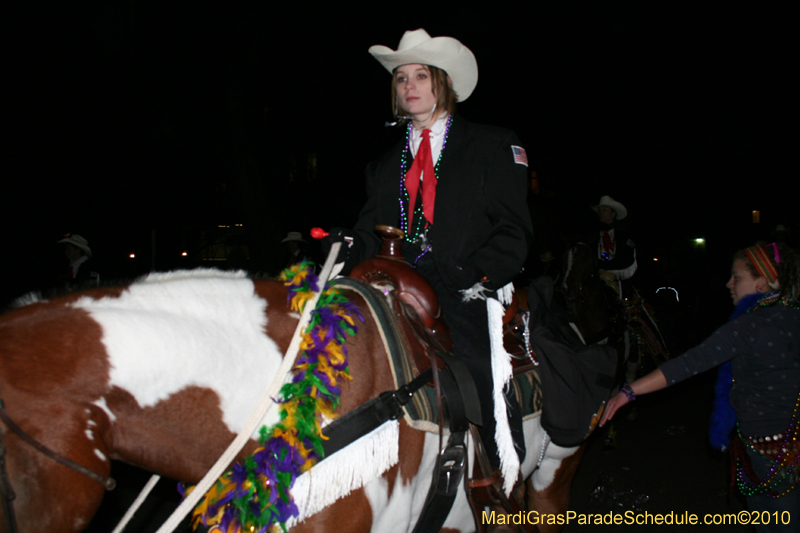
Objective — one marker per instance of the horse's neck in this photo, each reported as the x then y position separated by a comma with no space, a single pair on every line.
584,290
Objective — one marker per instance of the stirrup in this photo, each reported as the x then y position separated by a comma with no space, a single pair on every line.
487,490
488,493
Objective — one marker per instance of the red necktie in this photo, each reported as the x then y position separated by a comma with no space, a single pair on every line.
422,165
607,244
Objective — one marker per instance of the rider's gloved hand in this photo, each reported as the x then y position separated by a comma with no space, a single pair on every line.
462,275
342,235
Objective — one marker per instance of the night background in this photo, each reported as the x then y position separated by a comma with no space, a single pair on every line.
157,128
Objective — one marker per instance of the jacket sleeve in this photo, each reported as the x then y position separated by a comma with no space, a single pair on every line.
720,347
380,208
502,254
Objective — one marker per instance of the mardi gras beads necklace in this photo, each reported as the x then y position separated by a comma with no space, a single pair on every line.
781,466
786,458
420,224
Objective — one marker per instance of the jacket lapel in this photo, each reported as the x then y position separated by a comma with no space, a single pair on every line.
455,185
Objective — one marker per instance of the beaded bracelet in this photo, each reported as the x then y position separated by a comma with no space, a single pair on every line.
627,390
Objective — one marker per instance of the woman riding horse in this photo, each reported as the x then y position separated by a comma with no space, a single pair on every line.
473,177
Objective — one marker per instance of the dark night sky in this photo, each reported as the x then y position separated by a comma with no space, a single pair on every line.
131,116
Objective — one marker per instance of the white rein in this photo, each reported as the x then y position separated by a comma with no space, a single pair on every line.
255,419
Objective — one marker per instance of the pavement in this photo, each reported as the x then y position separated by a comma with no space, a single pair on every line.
661,463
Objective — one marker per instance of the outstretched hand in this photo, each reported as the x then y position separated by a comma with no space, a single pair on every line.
613,405
652,382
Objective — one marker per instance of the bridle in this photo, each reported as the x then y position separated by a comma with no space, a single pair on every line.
581,292
7,491
107,482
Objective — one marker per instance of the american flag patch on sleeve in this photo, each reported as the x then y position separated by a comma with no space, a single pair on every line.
520,157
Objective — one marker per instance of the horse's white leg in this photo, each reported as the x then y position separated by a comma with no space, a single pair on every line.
551,469
554,498
398,499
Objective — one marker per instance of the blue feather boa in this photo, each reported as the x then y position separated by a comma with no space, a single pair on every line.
723,416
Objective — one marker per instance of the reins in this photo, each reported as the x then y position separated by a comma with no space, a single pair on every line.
253,423
7,491
107,482
7,495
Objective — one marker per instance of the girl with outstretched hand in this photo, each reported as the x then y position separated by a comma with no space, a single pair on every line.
760,346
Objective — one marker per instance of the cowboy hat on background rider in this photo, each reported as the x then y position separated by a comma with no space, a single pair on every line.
616,253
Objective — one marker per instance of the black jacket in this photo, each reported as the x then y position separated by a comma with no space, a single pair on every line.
625,252
481,216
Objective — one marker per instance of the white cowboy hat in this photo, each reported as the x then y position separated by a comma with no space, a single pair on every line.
295,236
613,204
80,242
445,53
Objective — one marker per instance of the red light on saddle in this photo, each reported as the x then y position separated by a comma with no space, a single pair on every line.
319,233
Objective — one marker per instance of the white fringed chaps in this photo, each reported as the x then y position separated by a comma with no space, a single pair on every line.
501,375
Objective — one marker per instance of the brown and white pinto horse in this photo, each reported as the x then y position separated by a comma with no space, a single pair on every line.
164,372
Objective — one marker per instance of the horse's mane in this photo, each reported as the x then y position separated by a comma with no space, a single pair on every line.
44,295
26,299
51,293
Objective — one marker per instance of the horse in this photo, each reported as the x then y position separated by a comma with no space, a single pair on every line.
162,373
603,315
573,324
596,314
593,311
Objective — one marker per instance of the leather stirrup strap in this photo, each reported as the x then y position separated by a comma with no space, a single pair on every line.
447,476
487,489
468,392
451,461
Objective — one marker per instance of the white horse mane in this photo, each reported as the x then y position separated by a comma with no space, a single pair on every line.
197,273
28,299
